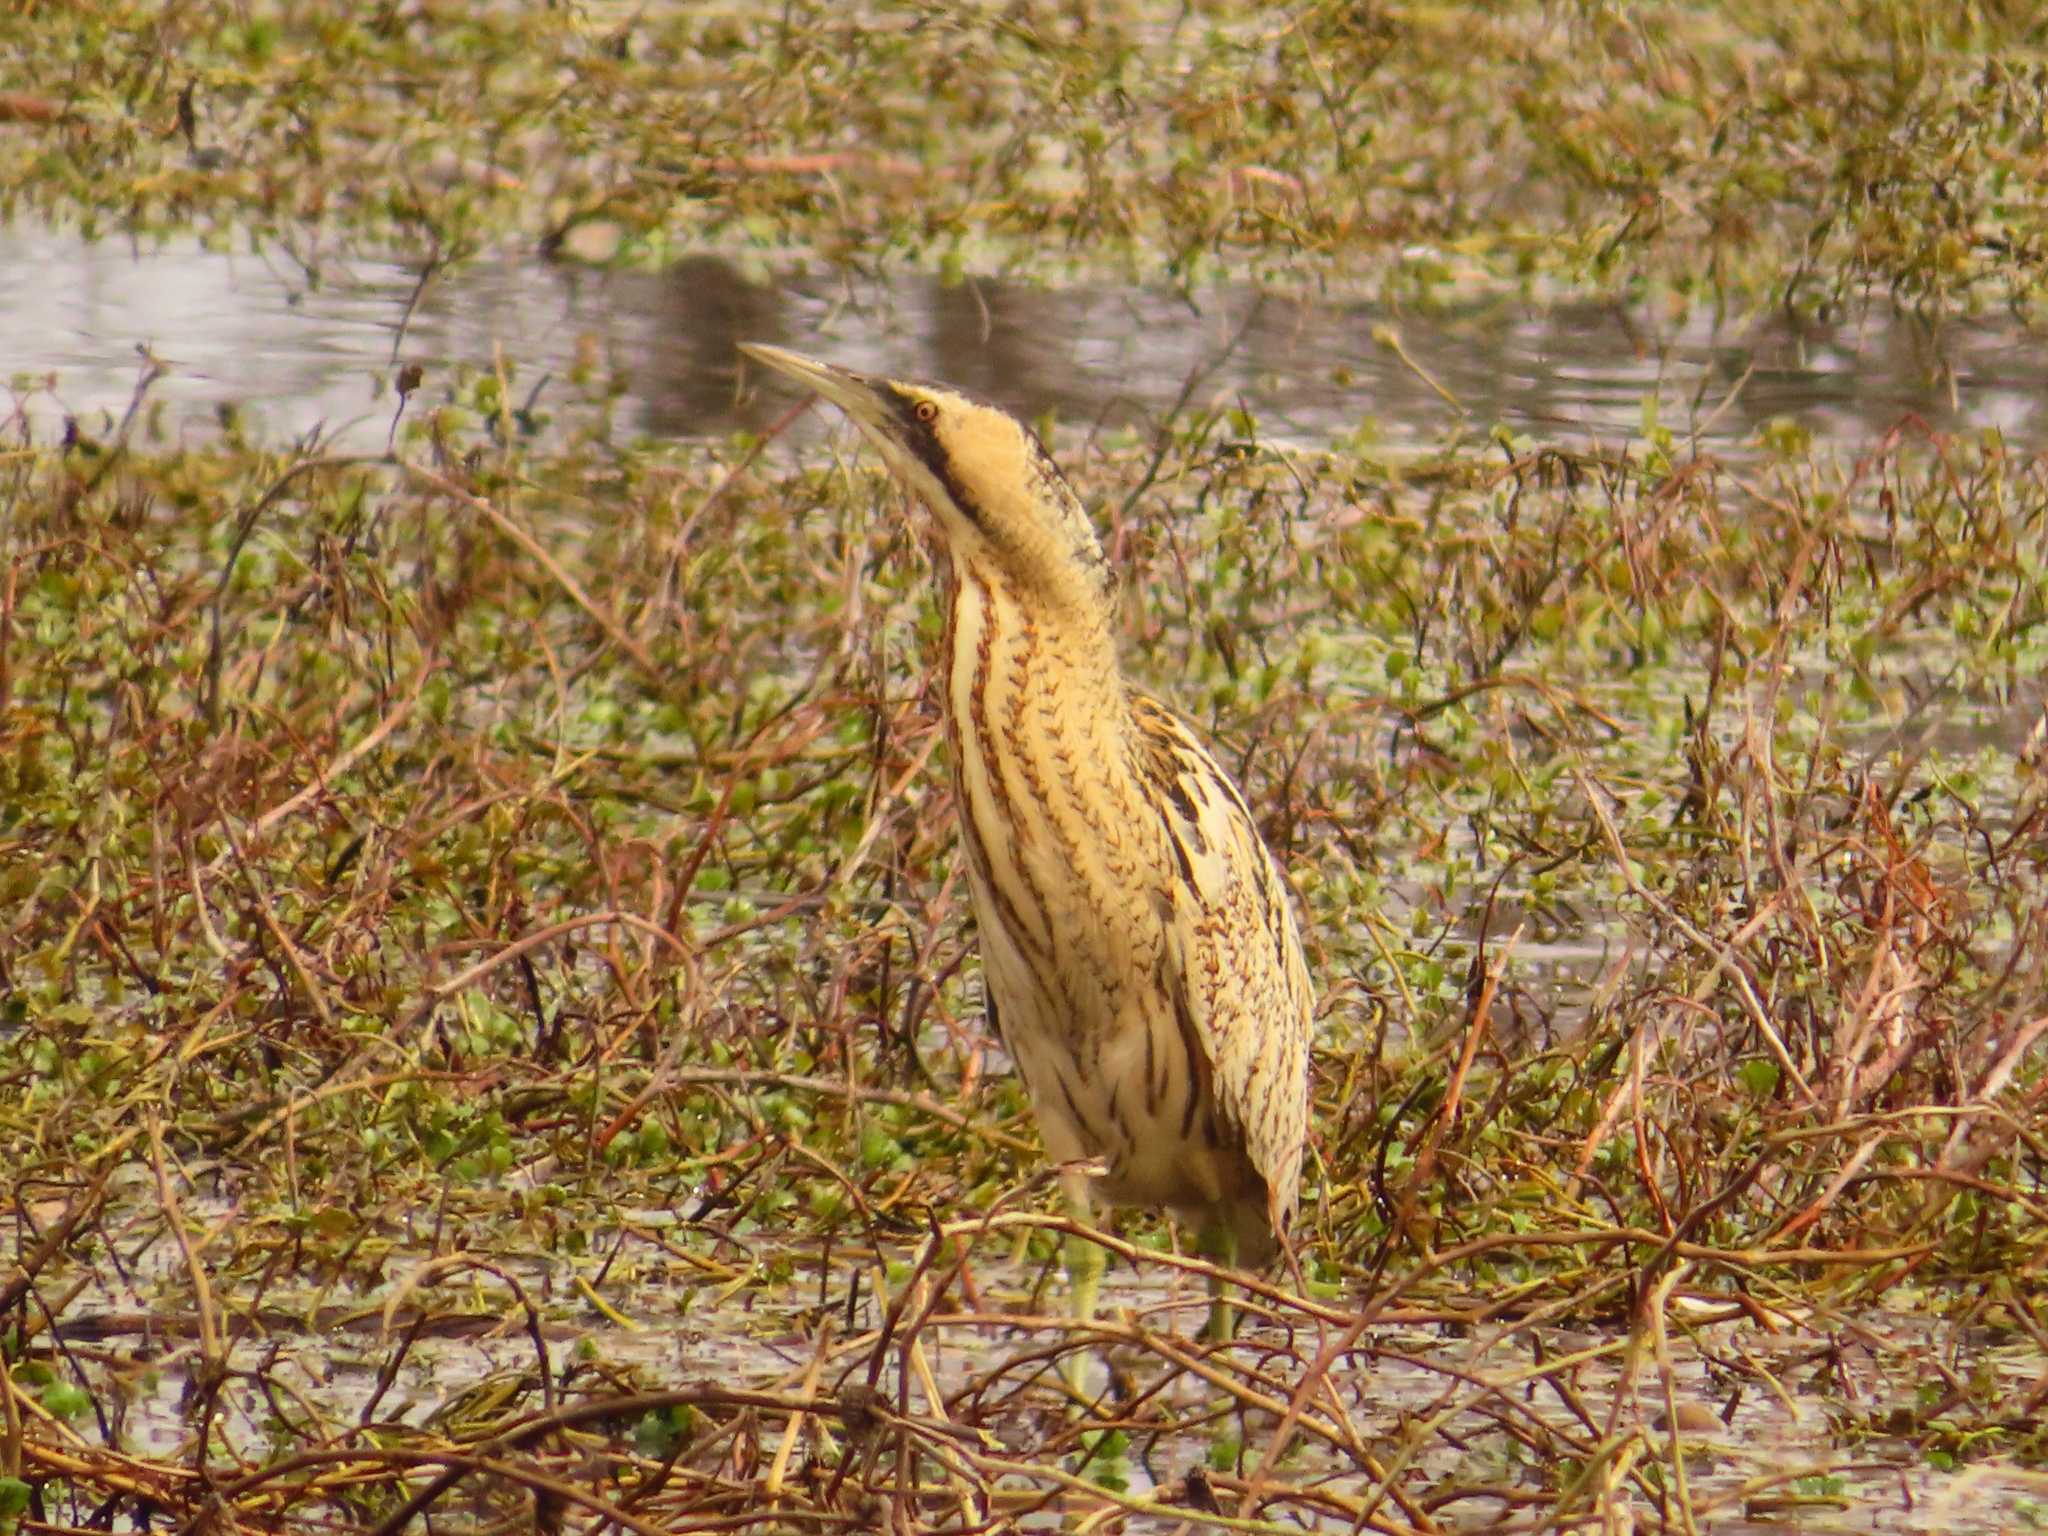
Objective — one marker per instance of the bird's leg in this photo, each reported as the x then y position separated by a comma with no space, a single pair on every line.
1217,1242
1085,1262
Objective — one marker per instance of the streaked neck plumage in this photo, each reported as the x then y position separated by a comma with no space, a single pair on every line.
1038,723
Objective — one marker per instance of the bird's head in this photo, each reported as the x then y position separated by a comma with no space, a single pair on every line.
995,496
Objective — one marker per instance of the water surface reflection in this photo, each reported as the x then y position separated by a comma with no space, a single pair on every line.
254,333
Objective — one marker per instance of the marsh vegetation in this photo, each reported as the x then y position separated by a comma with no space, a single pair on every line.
489,1025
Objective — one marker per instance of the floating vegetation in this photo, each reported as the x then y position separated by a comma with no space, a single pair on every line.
1800,152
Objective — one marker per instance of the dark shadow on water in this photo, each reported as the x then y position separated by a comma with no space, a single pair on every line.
251,332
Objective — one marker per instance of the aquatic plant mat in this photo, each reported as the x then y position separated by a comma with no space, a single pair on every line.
1799,149
490,1032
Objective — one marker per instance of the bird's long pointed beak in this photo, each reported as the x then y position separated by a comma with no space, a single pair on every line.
854,393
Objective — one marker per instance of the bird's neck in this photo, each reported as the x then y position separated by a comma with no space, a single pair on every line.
1025,665
1039,731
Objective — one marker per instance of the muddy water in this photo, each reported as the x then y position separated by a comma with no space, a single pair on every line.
291,351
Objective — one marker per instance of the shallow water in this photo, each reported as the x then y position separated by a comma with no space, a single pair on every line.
290,353
1770,1406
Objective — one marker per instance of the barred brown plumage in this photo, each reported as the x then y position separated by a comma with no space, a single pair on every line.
1139,949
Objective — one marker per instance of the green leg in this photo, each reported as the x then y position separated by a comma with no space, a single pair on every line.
1217,1242
1085,1262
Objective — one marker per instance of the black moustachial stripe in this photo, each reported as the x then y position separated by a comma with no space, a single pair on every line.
919,437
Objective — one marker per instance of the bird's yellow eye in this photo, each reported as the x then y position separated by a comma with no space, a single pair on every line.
925,412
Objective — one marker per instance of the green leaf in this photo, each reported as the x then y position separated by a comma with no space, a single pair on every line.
1759,1078
66,1400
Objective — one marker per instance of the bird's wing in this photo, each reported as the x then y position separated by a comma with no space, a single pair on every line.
1234,951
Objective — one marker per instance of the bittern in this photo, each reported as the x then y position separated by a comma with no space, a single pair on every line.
1139,951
